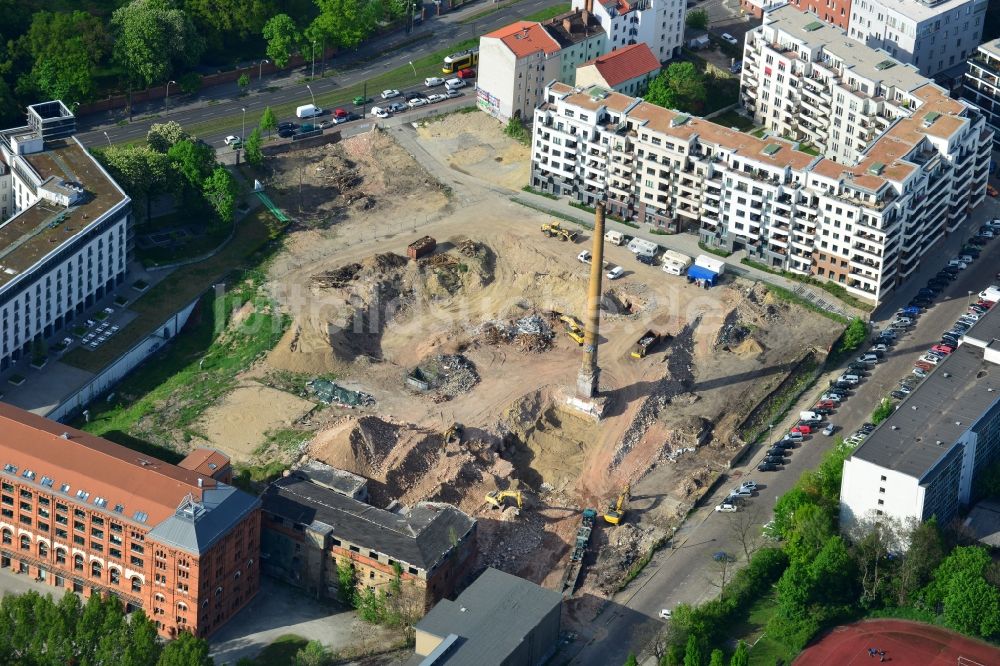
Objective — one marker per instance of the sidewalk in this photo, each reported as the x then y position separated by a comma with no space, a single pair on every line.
688,244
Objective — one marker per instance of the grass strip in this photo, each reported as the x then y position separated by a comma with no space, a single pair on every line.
831,288
792,297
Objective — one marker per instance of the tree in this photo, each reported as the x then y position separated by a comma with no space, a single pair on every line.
745,527
194,160
268,121
717,657
252,150
854,335
697,20
631,661
220,19
692,653
919,561
282,37
141,171
834,574
313,654
972,605
973,559
883,411
344,23
243,82
680,87
812,527
741,657
162,136
673,657
221,190
152,38
186,650
65,48
873,541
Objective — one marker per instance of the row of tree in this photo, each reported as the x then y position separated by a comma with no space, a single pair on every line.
820,578
47,54
172,162
40,630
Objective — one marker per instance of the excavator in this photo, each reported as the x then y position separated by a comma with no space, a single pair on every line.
616,512
498,498
453,435
574,328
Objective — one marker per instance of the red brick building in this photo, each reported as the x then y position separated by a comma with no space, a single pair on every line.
836,12
83,513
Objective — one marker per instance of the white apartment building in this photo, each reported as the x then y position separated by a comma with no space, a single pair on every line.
923,459
982,84
659,23
64,238
864,226
516,61
806,80
933,36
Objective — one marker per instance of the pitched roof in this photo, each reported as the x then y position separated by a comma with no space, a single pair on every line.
196,526
89,469
525,38
205,461
518,604
420,538
625,64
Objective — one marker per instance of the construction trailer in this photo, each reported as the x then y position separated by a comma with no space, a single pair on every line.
675,263
643,247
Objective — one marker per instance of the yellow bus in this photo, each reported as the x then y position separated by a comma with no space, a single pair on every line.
460,60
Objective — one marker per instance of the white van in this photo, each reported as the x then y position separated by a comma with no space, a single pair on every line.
809,416
454,84
308,111
615,237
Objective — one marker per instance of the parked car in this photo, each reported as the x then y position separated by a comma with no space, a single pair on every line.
361,100
919,372
985,233
616,273
832,397
665,613
729,39
437,97
829,429
432,81
775,452
785,444
389,94
233,140
379,112
858,368
803,429
898,395
825,404
725,507
419,101
767,467
467,73
749,483
957,263
880,348
451,92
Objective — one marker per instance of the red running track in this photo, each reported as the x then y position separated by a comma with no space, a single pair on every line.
905,644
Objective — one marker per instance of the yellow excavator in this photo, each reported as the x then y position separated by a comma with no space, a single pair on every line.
498,498
616,512
574,328
453,435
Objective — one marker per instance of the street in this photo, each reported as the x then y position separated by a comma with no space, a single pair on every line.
220,101
683,571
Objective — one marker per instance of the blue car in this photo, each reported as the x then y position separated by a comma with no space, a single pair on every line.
910,311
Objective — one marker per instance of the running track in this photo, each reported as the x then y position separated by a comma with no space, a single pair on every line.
905,644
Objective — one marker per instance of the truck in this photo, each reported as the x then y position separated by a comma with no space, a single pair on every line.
991,293
675,263
308,111
420,247
614,237
572,573
643,247
645,343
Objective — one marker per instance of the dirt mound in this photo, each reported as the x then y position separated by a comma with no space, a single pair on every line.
626,544
627,300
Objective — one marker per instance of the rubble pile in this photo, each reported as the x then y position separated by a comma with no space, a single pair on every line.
338,278
627,543
531,333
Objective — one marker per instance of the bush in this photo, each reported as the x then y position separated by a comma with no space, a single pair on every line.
190,83
883,411
854,335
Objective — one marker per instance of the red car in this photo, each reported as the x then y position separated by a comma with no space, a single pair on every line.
986,304
944,349
803,429
467,73
923,365
339,113
826,404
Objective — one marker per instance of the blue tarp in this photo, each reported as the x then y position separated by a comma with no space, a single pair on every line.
702,273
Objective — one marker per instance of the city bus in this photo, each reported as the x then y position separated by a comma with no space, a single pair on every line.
460,60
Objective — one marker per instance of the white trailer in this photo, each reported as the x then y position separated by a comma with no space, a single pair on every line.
717,266
615,237
643,247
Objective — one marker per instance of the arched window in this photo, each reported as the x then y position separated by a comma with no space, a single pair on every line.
181,606
25,542
95,569
78,562
43,549
116,576
159,597
236,576
136,584
60,556
7,537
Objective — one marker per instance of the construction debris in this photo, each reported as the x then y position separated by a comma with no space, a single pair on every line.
329,393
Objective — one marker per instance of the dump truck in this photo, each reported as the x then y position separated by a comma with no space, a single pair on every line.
645,342
420,247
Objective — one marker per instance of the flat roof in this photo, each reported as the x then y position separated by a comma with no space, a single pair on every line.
580,29
992,47
39,230
983,522
492,617
926,425
919,11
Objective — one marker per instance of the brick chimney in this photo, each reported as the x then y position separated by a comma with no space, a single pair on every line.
588,7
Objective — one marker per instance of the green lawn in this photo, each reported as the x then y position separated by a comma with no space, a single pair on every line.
733,119
187,247
178,289
428,65
281,652
545,14
765,651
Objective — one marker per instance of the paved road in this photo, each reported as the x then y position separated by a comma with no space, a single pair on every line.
219,101
684,572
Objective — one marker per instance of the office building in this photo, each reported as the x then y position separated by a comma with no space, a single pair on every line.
658,23
864,226
316,518
628,70
500,619
84,514
923,460
982,84
933,36
65,231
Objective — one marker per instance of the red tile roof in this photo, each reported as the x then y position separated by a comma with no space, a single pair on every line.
524,38
625,64
62,455
205,461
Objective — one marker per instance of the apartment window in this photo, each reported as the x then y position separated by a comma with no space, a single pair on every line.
883,478
79,540
136,561
26,494
136,548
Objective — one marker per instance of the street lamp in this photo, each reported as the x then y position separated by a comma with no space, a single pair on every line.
969,301
309,87
166,102
243,135
260,69
414,68
314,59
108,138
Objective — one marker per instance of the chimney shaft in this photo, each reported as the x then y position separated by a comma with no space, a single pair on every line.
588,6
589,378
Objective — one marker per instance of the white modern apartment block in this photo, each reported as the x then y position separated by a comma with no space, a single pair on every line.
516,61
864,226
659,23
64,238
982,84
806,80
933,36
923,459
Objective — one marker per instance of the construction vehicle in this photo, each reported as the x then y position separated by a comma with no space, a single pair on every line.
555,230
549,229
453,435
616,512
572,573
498,498
574,327
645,343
